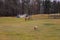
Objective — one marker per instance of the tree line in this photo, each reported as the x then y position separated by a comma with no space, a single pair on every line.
16,7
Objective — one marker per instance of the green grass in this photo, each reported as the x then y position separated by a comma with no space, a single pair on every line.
12,28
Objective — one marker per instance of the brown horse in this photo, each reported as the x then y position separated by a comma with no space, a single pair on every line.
27,18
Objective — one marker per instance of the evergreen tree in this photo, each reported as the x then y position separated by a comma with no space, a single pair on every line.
47,5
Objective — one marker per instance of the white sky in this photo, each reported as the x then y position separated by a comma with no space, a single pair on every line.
41,0
53,0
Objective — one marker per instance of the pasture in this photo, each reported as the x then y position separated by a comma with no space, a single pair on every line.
12,28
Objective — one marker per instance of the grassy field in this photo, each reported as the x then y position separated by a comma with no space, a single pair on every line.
12,28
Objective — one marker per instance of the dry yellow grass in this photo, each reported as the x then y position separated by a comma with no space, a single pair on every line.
12,28
40,16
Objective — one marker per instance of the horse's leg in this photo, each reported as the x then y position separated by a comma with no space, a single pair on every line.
25,19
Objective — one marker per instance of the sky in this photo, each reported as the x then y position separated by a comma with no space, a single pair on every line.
41,0
53,0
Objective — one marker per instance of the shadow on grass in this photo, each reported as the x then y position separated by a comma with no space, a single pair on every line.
49,24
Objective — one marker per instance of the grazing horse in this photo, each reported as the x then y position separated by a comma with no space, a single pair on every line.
27,17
